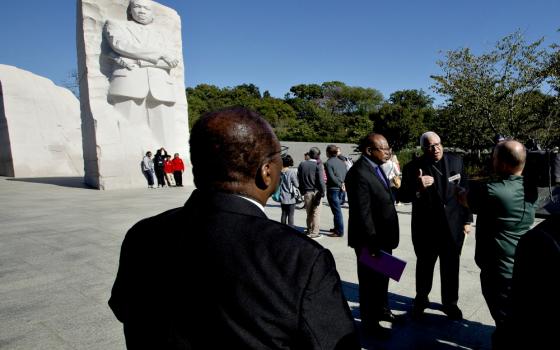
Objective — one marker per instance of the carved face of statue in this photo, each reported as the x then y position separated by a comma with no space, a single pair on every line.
141,11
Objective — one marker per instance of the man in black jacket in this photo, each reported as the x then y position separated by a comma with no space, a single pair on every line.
439,223
373,225
229,277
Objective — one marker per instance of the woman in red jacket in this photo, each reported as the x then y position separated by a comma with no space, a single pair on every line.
168,170
178,168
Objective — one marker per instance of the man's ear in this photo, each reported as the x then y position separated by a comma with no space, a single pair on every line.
263,179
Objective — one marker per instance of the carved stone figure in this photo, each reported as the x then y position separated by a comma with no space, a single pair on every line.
139,51
132,88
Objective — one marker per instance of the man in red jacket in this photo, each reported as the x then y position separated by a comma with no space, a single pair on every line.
178,168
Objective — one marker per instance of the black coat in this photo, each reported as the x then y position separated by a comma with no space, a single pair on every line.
435,207
217,273
536,287
372,220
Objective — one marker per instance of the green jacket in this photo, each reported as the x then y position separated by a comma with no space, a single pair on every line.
506,210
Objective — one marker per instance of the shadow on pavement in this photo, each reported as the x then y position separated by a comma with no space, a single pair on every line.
73,182
433,331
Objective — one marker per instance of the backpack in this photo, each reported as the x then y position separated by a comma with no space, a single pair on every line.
276,194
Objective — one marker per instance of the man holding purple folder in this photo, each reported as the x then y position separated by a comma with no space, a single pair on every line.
372,225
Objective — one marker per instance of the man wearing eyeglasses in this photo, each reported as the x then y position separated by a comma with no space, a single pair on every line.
439,222
229,278
373,225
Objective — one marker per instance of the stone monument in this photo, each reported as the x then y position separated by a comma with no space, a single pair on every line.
132,88
40,132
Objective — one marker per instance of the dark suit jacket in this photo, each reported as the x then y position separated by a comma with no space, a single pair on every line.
435,207
536,287
373,220
218,274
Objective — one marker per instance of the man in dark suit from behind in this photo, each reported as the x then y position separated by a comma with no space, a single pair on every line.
230,277
536,286
439,222
373,225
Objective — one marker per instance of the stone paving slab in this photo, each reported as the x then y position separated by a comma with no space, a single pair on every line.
59,249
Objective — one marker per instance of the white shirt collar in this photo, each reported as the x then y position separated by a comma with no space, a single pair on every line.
253,201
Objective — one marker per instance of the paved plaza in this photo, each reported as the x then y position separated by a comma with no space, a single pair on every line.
59,250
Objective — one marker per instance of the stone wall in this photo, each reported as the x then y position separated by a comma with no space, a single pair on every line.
40,132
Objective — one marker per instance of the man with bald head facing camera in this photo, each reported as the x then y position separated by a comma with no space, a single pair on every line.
231,277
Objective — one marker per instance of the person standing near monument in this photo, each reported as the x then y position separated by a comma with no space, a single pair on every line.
506,210
230,278
313,188
168,171
535,286
373,225
336,173
439,222
178,169
159,163
140,86
148,169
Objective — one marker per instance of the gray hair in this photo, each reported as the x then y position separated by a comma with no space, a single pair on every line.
425,136
314,153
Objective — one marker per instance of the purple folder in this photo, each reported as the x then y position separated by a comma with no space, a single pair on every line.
384,263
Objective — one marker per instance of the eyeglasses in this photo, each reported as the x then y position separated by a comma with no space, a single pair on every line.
385,149
433,146
283,152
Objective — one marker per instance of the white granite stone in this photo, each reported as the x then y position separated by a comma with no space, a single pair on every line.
40,132
132,90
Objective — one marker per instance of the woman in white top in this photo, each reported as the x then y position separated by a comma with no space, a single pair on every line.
392,170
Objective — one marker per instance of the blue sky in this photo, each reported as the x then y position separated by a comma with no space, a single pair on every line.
386,45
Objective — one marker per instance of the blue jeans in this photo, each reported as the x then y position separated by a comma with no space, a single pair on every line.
335,197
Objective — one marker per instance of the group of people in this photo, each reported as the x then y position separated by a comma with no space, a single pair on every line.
164,170
442,213
231,277
315,180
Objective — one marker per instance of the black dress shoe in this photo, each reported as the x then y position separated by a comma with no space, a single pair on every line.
334,233
388,316
453,312
420,304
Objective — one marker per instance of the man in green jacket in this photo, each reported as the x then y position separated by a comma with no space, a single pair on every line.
505,208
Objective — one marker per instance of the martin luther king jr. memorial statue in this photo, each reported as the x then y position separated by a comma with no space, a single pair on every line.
132,91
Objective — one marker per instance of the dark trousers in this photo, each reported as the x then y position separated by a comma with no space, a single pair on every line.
178,175
149,176
287,214
449,257
496,291
160,176
373,288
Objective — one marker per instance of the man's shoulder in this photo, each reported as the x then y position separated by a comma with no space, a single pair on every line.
159,220
453,158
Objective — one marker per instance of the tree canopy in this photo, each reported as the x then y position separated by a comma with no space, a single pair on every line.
497,93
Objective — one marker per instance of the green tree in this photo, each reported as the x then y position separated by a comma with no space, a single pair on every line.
401,118
494,93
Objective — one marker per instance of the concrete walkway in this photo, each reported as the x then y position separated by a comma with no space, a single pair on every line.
59,249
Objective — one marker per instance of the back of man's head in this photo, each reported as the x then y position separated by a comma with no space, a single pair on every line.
314,153
332,151
228,147
509,157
